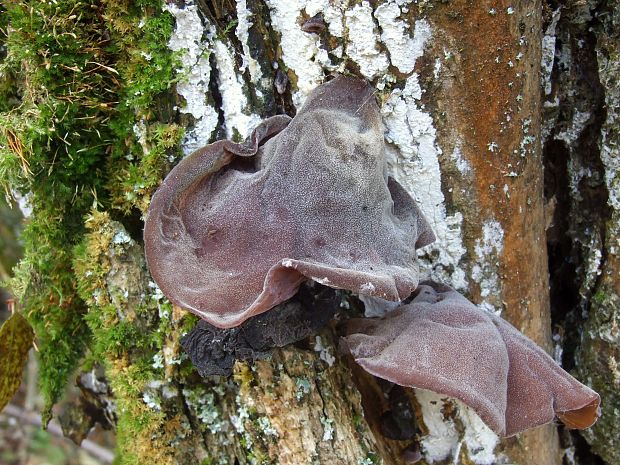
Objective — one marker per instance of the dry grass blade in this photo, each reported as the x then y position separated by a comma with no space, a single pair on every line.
16,146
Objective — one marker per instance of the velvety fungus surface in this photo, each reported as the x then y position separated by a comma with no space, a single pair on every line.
444,343
234,229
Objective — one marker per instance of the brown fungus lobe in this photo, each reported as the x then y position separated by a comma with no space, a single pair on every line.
234,229
280,82
443,343
314,25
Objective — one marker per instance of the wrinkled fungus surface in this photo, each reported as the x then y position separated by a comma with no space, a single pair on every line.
234,229
444,343
213,350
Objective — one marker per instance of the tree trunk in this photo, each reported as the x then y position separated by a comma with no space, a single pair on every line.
495,160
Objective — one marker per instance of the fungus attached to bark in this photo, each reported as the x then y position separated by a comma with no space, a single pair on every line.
443,343
234,229
213,351
314,25
280,82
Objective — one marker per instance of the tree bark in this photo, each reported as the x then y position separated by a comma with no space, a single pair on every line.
466,119
467,147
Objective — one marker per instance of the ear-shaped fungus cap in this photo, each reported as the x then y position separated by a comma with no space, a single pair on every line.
443,343
235,228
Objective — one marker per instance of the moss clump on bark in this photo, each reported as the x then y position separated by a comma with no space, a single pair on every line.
130,320
88,72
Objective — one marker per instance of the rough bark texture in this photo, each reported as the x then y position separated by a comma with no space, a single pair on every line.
518,179
582,160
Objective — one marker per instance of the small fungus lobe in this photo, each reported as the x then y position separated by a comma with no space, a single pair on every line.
280,82
314,25
443,343
234,229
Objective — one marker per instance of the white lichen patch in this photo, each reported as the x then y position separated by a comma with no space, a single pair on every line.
478,437
593,259
548,52
324,352
164,312
328,428
332,11
24,202
266,427
609,70
244,22
300,50
204,406
412,155
234,101
151,400
121,237
157,294
363,37
303,388
158,361
140,131
528,142
404,49
459,161
485,271
444,440
195,71
238,421
578,123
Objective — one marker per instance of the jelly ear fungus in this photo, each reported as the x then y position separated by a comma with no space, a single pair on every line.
236,228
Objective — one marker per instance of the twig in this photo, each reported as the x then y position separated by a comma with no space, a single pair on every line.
101,453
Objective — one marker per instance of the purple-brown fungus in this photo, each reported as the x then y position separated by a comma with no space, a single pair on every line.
314,25
443,343
234,229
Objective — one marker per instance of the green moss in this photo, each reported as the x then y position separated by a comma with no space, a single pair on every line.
76,78
140,167
599,297
236,136
45,285
148,141
10,230
126,336
221,35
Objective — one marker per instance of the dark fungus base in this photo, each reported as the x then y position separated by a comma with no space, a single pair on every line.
214,350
